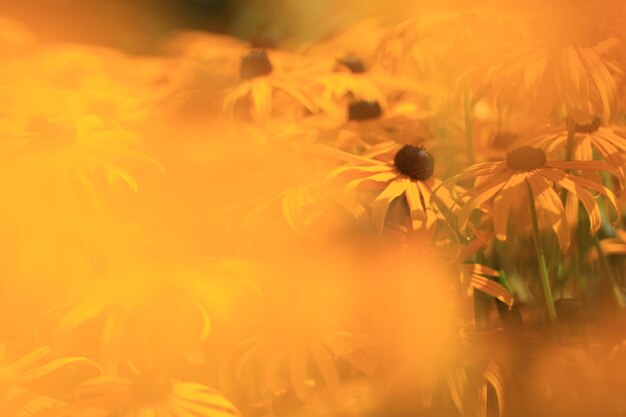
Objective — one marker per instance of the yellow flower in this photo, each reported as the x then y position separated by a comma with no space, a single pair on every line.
608,141
437,42
260,82
15,401
294,344
66,161
200,75
561,59
32,366
501,181
409,173
149,395
155,312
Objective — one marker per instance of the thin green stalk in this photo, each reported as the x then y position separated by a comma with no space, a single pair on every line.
604,261
469,137
543,269
571,132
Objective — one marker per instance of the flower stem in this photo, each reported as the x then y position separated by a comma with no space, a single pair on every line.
543,269
571,132
604,261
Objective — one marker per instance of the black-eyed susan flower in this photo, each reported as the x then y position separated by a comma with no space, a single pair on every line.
261,81
17,372
351,84
502,181
526,171
143,302
430,38
32,366
67,160
565,59
409,172
609,142
148,394
293,344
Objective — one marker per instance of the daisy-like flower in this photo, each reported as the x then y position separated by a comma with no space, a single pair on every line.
31,366
420,44
409,172
137,314
261,79
501,181
608,141
368,122
67,160
16,372
567,59
352,82
294,345
148,395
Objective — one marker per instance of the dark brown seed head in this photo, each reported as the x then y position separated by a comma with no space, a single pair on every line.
355,65
364,110
526,158
255,64
414,162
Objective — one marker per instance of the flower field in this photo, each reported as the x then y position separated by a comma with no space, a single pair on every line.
417,213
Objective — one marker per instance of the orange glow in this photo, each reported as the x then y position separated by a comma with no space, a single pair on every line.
329,208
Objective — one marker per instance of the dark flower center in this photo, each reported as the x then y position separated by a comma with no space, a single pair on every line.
364,110
355,65
255,64
415,162
526,158
589,127
150,388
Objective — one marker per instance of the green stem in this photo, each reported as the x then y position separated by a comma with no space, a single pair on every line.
543,269
604,261
469,137
571,132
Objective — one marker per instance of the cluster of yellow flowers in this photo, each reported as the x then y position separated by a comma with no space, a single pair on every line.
417,217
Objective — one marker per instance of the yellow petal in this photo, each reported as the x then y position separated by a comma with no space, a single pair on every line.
502,205
384,199
493,289
549,205
416,208
481,195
